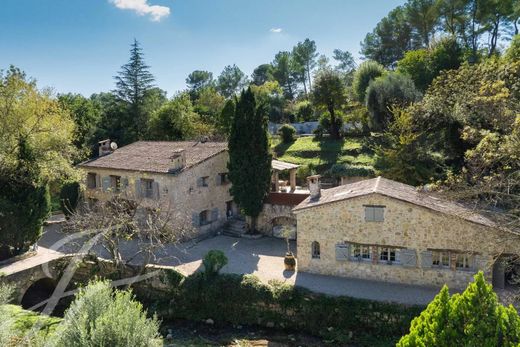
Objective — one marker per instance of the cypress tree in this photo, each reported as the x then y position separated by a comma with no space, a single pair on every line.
249,156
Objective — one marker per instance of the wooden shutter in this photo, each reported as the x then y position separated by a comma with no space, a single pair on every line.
155,190
106,183
426,259
480,263
342,252
214,214
124,182
195,218
218,180
369,214
98,180
379,214
408,257
200,182
138,193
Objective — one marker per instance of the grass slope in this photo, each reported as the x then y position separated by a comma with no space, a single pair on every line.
325,152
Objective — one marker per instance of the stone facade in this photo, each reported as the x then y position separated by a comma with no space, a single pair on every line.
187,193
417,233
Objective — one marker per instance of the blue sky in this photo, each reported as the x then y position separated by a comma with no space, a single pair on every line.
79,45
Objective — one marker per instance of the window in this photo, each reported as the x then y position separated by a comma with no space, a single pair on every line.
464,262
374,213
224,179
441,259
91,180
315,250
203,181
204,217
147,187
115,183
361,252
388,254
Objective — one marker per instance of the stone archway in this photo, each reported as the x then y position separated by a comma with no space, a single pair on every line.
37,292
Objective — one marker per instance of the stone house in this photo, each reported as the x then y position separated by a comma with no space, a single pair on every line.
187,178
383,230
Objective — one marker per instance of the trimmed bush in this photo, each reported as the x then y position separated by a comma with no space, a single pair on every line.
213,262
69,197
287,132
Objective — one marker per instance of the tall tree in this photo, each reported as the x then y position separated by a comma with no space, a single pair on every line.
423,16
198,80
330,93
285,73
231,81
346,62
263,73
366,72
305,55
133,81
249,156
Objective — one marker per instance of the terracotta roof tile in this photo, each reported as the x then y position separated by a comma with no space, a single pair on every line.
155,156
398,191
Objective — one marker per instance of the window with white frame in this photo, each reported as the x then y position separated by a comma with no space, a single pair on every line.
374,213
464,261
361,252
316,253
389,254
441,259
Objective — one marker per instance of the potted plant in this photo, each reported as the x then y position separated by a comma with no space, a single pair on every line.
289,259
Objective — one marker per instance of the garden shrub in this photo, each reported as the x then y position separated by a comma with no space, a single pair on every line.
213,262
69,197
287,133
245,300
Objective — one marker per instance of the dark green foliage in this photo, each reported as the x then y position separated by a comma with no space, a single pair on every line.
133,84
247,301
329,94
389,90
198,80
425,64
213,262
231,81
344,170
24,203
263,73
287,133
249,155
227,116
513,52
285,72
69,197
473,318
366,72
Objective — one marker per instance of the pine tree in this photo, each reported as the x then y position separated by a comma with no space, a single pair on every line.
473,318
249,156
133,83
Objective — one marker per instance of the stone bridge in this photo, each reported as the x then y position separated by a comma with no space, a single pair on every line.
39,279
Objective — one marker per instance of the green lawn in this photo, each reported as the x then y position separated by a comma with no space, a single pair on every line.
325,152
25,320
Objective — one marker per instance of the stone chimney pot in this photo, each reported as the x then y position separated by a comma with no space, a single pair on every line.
314,186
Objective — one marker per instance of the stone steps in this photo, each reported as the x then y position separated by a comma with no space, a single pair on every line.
235,228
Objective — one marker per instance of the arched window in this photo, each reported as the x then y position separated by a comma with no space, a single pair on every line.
315,250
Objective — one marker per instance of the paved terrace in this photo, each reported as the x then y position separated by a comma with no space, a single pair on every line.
262,257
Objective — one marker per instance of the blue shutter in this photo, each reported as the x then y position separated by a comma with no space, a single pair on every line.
426,259
155,190
138,193
195,218
342,251
106,183
408,257
214,214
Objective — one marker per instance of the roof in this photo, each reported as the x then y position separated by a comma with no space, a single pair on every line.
286,199
281,165
397,191
155,156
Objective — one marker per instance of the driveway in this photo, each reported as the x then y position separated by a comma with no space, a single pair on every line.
264,258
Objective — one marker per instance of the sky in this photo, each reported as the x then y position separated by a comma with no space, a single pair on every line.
79,45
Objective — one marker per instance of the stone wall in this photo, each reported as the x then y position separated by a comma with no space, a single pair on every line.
180,194
272,215
405,225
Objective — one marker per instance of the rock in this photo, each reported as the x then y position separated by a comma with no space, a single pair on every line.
209,321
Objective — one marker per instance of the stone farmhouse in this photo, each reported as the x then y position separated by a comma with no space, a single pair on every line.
187,178
383,230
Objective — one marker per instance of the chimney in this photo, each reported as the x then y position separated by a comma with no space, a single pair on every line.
314,186
178,160
106,147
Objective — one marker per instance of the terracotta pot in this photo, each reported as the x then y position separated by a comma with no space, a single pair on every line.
290,262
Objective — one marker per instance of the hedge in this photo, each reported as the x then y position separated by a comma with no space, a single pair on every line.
244,300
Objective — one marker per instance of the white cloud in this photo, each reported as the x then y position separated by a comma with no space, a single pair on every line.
143,8
276,30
